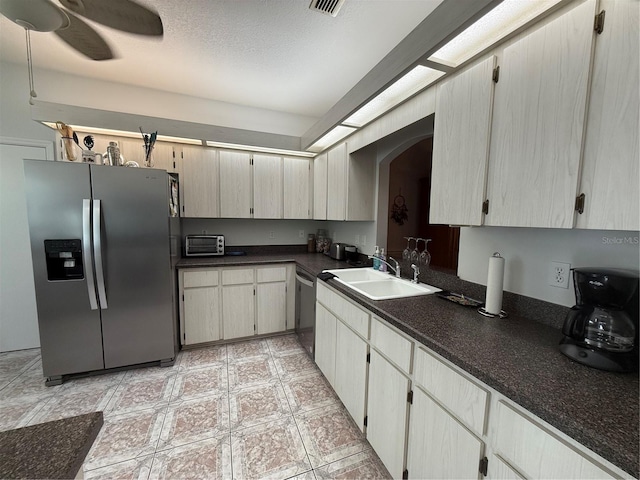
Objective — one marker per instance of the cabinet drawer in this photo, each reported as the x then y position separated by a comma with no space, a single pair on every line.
200,278
536,452
271,274
397,348
353,316
236,277
460,395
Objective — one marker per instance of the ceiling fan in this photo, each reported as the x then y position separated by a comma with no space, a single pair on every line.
45,16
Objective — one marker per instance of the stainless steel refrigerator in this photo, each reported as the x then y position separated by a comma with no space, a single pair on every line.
100,243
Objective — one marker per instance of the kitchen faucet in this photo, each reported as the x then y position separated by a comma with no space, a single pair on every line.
416,272
395,269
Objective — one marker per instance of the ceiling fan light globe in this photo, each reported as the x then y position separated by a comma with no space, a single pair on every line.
35,15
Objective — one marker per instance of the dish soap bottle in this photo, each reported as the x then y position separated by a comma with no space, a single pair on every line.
381,265
376,262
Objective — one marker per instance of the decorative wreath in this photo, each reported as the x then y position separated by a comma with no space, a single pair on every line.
399,210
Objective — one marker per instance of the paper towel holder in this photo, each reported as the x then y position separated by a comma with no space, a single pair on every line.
483,310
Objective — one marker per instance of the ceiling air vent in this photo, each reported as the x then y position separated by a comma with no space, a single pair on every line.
328,7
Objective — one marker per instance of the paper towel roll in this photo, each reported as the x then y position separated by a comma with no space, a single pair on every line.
495,278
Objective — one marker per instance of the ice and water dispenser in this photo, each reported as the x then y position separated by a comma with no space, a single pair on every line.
64,259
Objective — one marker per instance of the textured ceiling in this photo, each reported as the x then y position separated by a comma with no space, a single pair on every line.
273,54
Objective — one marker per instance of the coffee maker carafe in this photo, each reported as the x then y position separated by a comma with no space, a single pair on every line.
601,330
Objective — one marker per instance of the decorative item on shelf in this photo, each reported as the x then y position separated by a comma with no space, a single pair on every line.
495,279
69,142
113,156
149,143
131,163
399,209
321,233
88,156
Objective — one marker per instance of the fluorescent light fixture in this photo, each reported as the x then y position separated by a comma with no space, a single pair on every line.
251,148
411,83
127,134
496,24
333,136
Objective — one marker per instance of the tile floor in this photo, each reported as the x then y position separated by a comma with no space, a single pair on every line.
257,409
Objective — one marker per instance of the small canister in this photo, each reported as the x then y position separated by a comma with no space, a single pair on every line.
311,243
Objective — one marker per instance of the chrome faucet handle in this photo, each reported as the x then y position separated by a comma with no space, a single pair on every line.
416,272
397,266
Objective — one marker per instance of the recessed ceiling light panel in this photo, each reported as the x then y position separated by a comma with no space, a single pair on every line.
498,23
411,83
333,136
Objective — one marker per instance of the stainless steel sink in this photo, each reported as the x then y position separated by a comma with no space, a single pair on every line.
380,285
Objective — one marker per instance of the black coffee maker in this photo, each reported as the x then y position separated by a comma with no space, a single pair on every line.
601,330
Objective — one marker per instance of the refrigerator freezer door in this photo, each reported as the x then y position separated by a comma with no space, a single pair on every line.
70,332
137,326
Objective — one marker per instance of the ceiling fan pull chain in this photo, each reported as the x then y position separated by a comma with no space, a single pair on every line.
32,91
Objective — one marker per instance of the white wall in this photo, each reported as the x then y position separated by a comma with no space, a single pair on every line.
346,232
528,252
247,232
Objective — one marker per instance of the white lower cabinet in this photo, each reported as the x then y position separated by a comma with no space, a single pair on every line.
325,338
200,306
387,411
439,446
351,378
225,303
451,425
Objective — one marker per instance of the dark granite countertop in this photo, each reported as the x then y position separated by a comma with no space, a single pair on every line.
517,356
48,450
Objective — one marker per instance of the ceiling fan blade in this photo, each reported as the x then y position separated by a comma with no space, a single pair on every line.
80,36
125,15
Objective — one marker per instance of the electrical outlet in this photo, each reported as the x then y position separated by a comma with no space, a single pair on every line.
559,274
301,233
363,240
272,234
357,239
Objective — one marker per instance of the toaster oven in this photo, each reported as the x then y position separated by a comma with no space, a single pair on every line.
203,245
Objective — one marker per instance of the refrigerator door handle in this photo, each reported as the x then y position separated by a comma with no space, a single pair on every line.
97,252
86,252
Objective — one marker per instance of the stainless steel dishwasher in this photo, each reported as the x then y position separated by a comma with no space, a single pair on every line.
306,310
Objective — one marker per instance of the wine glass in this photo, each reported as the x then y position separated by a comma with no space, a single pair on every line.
414,253
425,256
406,253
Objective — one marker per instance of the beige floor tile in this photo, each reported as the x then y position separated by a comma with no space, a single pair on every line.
141,394
329,434
136,469
126,437
145,372
309,392
245,350
194,383
17,412
258,404
252,371
269,450
304,476
72,403
194,420
30,384
95,381
203,357
284,344
206,459
17,362
361,465
294,365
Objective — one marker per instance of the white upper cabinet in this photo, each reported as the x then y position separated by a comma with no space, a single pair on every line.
461,146
610,164
199,182
235,184
320,187
336,182
538,123
297,183
267,186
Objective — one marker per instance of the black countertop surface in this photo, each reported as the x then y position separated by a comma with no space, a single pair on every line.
516,356
48,450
